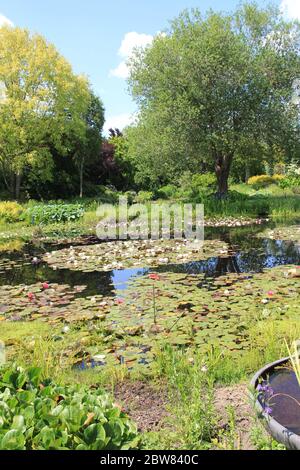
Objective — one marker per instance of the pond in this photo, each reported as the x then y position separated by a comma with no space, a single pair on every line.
247,254
205,298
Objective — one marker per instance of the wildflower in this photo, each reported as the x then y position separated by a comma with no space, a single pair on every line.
268,410
264,301
30,296
270,293
119,301
45,285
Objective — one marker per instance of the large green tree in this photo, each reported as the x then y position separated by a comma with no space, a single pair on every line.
212,84
42,102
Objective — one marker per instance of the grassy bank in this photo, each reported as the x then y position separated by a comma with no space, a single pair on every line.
242,203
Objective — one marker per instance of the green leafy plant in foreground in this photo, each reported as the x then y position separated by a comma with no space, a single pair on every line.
42,415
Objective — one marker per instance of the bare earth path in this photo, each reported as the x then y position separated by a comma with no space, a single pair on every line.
147,406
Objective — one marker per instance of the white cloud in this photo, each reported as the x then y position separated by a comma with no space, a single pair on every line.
121,71
130,41
119,121
5,21
291,8
133,40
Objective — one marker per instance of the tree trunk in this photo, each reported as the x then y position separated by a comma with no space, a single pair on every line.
81,178
18,185
12,185
247,172
222,169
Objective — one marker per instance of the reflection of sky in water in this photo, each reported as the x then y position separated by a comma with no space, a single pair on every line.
120,278
254,256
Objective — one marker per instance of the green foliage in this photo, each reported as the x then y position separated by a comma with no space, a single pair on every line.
237,204
168,191
224,91
36,415
262,181
131,196
51,213
42,103
191,392
292,182
11,211
144,196
263,441
204,181
108,194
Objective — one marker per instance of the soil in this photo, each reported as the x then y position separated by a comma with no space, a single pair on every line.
145,404
244,415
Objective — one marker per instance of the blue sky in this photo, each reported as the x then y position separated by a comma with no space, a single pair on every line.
96,36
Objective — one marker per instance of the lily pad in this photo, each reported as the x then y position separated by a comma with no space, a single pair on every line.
134,253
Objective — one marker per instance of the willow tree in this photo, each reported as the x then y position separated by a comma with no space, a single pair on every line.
211,84
41,102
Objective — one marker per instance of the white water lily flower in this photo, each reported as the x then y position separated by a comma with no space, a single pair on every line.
99,357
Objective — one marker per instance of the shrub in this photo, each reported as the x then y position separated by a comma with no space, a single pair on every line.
52,213
144,196
262,181
205,181
36,415
167,192
196,187
11,211
131,195
292,181
277,178
108,195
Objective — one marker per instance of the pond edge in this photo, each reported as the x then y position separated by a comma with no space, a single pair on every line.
278,432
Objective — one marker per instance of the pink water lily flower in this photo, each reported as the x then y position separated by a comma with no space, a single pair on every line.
154,277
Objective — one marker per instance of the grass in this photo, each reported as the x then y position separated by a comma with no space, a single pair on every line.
189,377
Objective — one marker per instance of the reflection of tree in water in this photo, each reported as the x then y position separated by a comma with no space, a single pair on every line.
264,254
29,273
252,255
